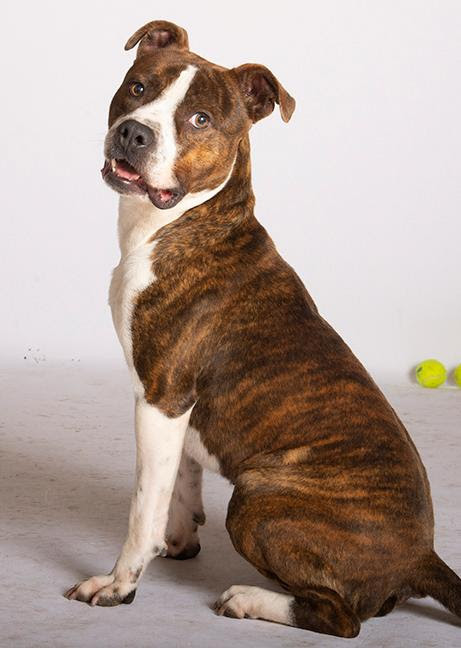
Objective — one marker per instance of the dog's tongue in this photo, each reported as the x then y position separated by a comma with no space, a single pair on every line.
164,198
164,194
126,171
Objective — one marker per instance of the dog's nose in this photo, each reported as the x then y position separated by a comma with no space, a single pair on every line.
132,136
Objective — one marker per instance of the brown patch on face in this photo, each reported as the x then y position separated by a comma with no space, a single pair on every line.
156,72
206,156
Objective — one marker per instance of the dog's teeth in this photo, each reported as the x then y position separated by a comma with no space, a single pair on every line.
113,164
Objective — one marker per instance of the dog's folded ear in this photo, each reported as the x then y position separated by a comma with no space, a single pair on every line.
261,90
158,34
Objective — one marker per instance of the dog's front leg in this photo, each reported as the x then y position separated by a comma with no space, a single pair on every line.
159,442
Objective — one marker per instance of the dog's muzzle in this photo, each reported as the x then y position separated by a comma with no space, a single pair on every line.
130,146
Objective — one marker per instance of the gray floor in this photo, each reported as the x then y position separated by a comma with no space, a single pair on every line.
66,470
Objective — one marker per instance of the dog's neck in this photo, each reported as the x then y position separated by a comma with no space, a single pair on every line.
217,209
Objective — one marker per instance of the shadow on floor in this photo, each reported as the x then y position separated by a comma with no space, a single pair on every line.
430,610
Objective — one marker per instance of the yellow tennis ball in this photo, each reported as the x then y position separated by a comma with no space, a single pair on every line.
431,373
457,375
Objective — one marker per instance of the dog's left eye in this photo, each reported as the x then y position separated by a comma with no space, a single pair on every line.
136,89
199,120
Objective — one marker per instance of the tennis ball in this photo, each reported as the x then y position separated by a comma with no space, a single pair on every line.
431,373
457,375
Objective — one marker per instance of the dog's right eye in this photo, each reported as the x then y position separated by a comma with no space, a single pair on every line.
136,89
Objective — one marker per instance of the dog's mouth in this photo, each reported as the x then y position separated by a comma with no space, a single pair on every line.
124,178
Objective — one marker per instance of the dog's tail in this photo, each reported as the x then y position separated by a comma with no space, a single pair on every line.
434,578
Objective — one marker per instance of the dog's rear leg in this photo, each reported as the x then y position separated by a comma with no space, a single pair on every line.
277,546
320,610
159,443
186,511
323,610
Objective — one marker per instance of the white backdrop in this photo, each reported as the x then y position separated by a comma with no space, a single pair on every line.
361,190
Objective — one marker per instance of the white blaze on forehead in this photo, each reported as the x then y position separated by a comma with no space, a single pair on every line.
159,115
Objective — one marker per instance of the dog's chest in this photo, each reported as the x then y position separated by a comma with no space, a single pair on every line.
133,274
138,223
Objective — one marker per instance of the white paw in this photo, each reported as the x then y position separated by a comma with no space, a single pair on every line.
236,602
183,548
241,601
102,590
182,531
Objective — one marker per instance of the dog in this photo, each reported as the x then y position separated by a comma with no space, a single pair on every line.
235,370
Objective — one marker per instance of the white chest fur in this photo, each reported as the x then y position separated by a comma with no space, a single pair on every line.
138,222
132,275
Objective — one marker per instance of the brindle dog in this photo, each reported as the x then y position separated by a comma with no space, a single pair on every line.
234,368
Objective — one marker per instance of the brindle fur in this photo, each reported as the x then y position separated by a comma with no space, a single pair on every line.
331,498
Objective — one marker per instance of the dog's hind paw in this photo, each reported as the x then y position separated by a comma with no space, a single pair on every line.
184,553
245,601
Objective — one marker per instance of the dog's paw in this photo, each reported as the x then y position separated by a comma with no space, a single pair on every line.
234,602
180,551
248,602
183,542
104,591
182,532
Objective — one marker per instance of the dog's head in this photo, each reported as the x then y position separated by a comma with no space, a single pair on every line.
176,121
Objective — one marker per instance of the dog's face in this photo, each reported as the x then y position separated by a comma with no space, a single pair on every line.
176,121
